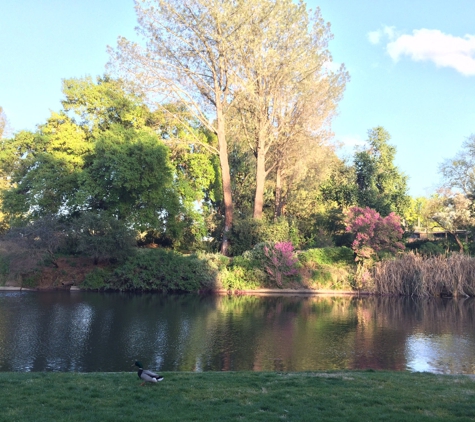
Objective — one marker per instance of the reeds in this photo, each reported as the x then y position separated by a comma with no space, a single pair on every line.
415,275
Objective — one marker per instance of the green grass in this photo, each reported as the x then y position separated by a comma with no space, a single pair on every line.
231,396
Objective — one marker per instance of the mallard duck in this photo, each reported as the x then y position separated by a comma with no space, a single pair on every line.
146,375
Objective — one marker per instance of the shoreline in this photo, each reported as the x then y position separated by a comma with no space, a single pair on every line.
220,292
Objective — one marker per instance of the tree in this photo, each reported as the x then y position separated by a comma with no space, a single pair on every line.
187,59
106,152
373,233
459,172
100,236
380,184
229,59
289,93
456,215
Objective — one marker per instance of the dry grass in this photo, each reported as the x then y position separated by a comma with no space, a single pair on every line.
415,275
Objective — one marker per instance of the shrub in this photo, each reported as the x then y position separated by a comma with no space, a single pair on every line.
243,274
247,233
159,269
103,237
373,233
328,256
432,248
97,279
329,268
280,261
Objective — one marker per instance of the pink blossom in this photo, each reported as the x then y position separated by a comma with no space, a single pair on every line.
373,233
280,261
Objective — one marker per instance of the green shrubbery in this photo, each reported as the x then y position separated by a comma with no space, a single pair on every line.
247,233
329,268
156,270
163,270
328,256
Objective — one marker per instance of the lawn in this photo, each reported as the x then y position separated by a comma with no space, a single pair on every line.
230,396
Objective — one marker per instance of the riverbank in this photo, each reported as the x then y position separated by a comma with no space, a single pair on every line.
254,292
228,396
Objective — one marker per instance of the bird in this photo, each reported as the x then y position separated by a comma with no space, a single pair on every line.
146,375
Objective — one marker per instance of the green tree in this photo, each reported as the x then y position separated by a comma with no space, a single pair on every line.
381,186
106,151
129,176
289,94
190,45
459,172
456,215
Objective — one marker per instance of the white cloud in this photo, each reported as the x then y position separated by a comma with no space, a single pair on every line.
375,37
444,50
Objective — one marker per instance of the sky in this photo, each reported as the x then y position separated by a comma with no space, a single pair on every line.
411,63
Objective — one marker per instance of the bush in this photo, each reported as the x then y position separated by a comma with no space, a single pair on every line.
97,279
328,256
162,270
247,233
280,261
329,268
102,237
432,248
373,233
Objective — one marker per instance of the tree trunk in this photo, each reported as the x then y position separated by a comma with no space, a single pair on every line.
278,194
260,180
226,180
458,242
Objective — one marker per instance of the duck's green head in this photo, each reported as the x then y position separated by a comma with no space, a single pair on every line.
139,364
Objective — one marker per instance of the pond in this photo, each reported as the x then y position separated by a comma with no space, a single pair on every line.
88,331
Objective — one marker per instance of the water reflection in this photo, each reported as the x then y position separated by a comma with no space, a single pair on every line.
80,331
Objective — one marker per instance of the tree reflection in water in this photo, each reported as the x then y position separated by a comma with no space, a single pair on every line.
83,331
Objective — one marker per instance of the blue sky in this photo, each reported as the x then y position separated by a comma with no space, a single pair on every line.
412,67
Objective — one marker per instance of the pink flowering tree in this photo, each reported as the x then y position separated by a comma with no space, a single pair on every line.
373,233
280,261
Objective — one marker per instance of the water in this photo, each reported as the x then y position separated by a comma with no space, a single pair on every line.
84,331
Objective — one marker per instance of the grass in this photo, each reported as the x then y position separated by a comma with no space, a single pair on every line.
233,396
419,275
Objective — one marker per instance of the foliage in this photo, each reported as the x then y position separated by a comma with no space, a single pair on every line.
280,261
162,270
106,151
248,232
328,268
432,249
97,279
459,172
101,237
243,273
129,176
456,215
380,184
373,233
47,234
327,256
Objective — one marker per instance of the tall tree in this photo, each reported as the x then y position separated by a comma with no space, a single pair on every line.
381,186
187,59
289,92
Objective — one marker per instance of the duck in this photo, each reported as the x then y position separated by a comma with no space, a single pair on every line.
146,375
